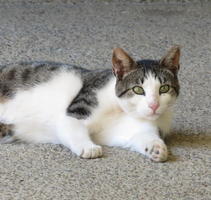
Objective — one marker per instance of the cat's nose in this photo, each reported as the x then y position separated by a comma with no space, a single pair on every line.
154,106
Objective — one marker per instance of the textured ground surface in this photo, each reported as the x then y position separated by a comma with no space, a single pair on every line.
83,33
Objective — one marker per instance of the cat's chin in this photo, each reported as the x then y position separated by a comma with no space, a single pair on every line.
152,117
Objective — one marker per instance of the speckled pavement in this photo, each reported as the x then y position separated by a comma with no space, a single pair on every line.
84,33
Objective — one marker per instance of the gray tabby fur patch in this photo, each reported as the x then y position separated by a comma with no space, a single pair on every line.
25,75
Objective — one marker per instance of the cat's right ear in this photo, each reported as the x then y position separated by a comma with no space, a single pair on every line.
122,63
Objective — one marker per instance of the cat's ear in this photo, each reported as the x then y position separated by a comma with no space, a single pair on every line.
122,63
171,59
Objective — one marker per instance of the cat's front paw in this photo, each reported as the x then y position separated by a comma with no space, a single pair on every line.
92,151
157,151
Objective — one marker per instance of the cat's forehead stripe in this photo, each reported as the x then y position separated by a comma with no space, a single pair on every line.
151,80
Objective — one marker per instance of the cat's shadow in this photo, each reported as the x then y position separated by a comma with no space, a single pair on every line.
187,139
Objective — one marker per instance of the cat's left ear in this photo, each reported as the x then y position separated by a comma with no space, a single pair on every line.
171,59
122,63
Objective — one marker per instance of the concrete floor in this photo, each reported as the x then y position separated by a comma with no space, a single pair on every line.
84,33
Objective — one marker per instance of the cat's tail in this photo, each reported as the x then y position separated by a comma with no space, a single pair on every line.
8,139
6,134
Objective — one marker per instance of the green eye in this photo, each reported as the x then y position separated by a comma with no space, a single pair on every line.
164,89
138,90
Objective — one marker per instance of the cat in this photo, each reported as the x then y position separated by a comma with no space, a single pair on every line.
128,106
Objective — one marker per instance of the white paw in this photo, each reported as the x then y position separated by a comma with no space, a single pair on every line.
92,151
157,151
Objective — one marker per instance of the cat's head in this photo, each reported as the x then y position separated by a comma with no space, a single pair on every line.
146,88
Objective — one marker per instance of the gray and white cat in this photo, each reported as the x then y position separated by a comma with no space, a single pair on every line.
46,102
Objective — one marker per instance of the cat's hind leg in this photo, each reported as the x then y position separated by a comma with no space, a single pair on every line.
73,134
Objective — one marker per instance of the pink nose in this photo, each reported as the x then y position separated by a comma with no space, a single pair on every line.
154,106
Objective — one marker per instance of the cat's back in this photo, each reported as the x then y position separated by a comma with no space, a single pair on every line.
26,75
35,71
